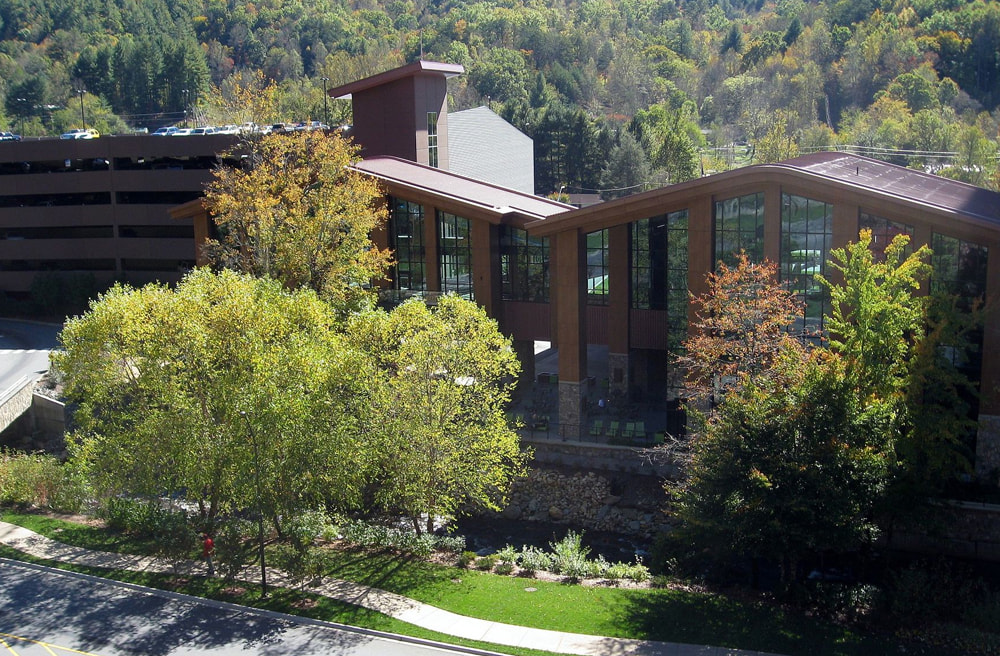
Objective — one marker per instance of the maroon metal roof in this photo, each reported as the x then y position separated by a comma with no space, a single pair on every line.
901,182
494,201
868,176
410,70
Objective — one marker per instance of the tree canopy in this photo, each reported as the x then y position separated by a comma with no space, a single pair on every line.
445,377
295,211
195,391
810,449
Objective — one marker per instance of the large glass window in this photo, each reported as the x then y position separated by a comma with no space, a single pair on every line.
524,266
660,270
406,239
883,231
959,268
739,226
432,139
597,268
806,234
455,254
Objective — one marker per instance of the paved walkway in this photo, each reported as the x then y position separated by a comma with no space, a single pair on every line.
388,603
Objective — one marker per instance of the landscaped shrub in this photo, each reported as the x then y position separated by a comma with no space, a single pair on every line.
985,613
506,559
303,563
364,534
466,558
303,529
569,555
637,572
597,568
236,545
141,517
486,563
850,601
39,480
533,559
617,571
450,543
922,593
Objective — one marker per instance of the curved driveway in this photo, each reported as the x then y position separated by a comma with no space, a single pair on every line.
24,352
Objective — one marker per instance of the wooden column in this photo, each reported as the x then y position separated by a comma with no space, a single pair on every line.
485,245
620,285
571,328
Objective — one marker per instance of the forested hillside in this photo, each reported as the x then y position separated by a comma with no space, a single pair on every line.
618,95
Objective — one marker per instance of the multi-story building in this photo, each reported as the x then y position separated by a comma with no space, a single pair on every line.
615,275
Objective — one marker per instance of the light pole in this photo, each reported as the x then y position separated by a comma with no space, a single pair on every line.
326,114
260,510
83,116
184,96
20,105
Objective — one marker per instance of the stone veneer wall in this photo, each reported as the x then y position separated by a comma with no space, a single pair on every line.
968,530
988,449
585,500
16,405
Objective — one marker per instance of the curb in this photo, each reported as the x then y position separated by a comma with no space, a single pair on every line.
250,610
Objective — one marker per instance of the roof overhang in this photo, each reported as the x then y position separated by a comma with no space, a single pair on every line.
419,67
460,195
864,177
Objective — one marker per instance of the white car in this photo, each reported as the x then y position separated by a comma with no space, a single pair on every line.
183,132
80,133
164,132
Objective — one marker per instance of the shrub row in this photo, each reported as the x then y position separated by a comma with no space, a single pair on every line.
364,534
31,479
568,557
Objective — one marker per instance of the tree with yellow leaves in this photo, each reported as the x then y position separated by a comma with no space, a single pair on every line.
297,212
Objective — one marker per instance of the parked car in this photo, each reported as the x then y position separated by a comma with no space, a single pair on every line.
183,132
165,131
9,136
80,133
200,131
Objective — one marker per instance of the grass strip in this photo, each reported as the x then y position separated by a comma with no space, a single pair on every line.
645,614
281,600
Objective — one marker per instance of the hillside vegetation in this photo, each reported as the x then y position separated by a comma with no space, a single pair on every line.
691,86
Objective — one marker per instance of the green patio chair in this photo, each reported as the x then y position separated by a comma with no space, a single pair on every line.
629,431
612,430
597,429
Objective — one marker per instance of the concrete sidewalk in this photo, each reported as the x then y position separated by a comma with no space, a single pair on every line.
388,603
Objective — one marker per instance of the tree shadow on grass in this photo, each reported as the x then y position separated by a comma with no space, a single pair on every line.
714,619
388,570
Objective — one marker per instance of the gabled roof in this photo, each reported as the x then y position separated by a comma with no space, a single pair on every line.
865,176
460,195
410,70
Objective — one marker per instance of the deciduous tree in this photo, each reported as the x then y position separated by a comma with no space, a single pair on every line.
297,212
443,440
202,391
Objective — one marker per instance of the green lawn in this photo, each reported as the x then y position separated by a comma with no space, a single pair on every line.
650,614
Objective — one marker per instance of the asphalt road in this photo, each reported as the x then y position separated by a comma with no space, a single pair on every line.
24,351
45,611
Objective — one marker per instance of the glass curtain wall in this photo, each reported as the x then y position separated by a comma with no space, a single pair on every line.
455,254
883,231
597,268
406,239
524,266
660,270
806,235
739,226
